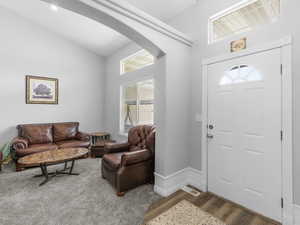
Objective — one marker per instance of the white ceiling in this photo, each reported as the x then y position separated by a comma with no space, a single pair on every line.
86,32
163,9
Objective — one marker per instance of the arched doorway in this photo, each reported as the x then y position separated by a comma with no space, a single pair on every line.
173,52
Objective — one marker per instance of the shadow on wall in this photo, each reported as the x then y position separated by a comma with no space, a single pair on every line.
7,135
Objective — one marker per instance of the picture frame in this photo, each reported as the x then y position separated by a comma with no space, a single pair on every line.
238,45
41,90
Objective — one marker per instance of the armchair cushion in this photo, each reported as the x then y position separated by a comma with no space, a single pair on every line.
35,149
141,137
73,144
36,134
113,160
114,148
130,158
83,136
65,131
132,163
19,143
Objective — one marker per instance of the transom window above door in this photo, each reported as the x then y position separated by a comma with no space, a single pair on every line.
136,61
240,74
242,17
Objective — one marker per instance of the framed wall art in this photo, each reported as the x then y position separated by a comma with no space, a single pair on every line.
238,45
41,90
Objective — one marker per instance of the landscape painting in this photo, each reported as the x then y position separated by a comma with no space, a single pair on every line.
41,90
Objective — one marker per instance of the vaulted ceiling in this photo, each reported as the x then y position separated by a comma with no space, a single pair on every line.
85,32
163,9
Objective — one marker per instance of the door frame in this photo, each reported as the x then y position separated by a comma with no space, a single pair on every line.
285,44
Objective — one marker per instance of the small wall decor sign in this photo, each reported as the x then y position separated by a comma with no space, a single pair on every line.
238,45
41,90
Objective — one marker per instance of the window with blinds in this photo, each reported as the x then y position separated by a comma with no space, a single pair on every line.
137,105
136,61
243,17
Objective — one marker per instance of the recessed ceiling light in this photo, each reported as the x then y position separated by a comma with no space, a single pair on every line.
54,7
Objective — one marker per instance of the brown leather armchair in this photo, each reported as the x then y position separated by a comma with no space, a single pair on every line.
130,164
34,138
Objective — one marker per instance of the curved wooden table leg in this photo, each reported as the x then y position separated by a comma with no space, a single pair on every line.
45,173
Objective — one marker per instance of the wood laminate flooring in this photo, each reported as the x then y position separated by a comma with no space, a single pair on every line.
228,212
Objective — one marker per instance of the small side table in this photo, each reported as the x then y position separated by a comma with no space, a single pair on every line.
97,150
99,136
99,139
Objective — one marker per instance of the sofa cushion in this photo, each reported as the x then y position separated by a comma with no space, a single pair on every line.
65,131
35,149
37,134
113,160
73,144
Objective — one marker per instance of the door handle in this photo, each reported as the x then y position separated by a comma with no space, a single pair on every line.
210,136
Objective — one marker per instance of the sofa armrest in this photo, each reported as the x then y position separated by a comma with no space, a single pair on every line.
114,148
19,143
83,136
131,158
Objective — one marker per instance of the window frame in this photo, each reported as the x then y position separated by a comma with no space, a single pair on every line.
226,12
124,85
131,56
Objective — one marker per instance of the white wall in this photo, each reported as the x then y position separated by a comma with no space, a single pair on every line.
173,52
113,82
194,22
27,49
176,108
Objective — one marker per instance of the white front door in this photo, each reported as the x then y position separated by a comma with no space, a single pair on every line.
244,131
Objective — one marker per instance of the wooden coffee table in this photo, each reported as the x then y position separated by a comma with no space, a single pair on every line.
53,157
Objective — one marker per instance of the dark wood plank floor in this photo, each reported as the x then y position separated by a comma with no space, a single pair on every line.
230,213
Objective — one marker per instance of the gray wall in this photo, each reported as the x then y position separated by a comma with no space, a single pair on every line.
172,158
28,49
112,88
194,22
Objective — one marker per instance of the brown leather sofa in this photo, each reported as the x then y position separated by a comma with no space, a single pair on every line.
130,164
34,138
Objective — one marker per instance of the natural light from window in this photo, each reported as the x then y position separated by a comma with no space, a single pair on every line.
136,61
137,105
243,17
240,74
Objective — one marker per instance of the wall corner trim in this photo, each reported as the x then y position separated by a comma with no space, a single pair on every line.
167,185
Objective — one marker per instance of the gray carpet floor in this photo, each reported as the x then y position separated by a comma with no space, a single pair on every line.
86,199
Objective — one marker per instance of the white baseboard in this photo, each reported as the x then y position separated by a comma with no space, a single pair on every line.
196,178
168,185
296,215
288,213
